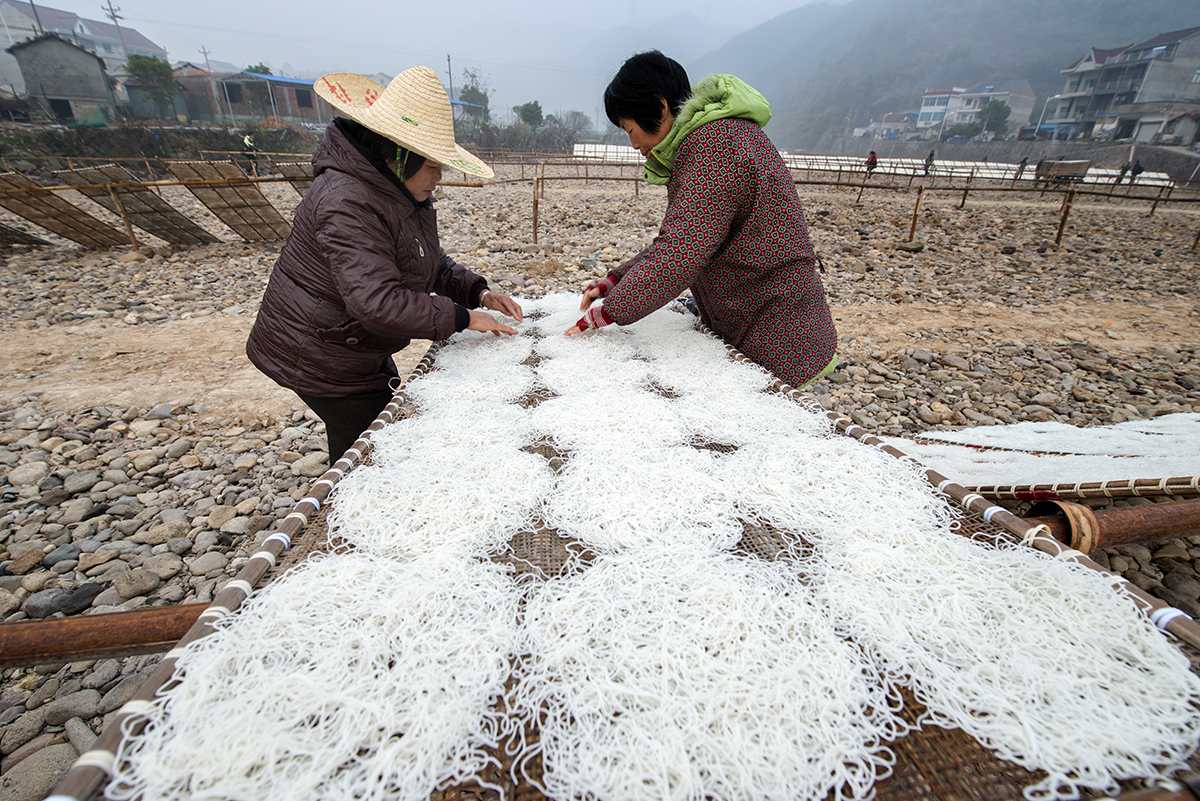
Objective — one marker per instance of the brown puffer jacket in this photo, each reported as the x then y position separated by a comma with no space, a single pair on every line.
352,284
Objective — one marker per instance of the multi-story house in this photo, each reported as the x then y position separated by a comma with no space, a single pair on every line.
22,21
1065,112
938,107
1147,92
1018,95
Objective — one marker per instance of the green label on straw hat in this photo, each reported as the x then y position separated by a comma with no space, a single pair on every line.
410,121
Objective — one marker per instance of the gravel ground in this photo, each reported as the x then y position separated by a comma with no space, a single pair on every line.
116,501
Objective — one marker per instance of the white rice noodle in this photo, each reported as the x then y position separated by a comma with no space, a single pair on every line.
732,677
1040,660
425,506
660,674
1160,448
354,678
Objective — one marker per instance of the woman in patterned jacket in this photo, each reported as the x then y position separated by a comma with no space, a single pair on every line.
733,232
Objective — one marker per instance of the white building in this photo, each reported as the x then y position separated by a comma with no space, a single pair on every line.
938,107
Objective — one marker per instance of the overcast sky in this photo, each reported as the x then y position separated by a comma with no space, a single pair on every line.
528,49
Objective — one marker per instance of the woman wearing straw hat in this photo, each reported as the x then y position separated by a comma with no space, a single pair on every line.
363,272
733,232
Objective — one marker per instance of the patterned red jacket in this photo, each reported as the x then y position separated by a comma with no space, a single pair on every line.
734,233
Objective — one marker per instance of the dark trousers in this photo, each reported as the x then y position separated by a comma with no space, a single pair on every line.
346,418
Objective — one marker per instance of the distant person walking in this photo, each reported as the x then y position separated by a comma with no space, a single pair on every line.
250,150
872,163
929,162
1021,167
1137,170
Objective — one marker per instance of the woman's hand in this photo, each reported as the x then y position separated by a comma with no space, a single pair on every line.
503,304
596,289
482,321
592,318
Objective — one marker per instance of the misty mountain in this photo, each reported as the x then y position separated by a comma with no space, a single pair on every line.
570,67
769,57
828,69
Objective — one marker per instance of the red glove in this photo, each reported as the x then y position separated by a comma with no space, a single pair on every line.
595,317
602,286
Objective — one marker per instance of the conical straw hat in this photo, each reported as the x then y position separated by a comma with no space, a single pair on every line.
413,111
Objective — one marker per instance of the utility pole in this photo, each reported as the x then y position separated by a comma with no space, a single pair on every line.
112,14
450,73
204,51
36,18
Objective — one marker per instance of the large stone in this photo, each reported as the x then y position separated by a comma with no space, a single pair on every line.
220,515
82,704
81,598
76,510
211,562
117,696
9,603
163,532
28,474
61,554
45,603
102,673
163,565
236,526
80,735
89,560
135,582
22,730
25,562
311,465
33,777
82,481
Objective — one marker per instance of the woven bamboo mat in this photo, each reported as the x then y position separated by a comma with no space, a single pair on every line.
142,207
931,763
55,214
236,202
300,173
12,236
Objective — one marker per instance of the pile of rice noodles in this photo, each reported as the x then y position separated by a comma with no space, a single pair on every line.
665,664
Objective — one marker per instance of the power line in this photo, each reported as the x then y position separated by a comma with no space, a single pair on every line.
389,48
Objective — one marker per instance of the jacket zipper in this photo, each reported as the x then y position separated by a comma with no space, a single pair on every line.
420,249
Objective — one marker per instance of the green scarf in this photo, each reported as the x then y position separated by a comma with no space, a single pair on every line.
716,97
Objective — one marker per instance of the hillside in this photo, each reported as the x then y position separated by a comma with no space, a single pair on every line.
827,69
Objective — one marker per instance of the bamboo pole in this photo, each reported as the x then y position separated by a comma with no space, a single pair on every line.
1125,488
1154,205
1086,529
1196,241
1068,199
967,188
74,639
535,210
912,230
121,210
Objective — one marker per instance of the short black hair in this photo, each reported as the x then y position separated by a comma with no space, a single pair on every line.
379,149
640,86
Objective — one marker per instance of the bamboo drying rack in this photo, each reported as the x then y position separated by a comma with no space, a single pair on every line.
931,763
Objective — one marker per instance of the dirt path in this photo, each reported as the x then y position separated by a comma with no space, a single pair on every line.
201,360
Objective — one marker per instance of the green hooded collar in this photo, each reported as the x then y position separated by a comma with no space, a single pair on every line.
716,97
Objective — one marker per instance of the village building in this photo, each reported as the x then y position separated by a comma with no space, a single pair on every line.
22,21
67,81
